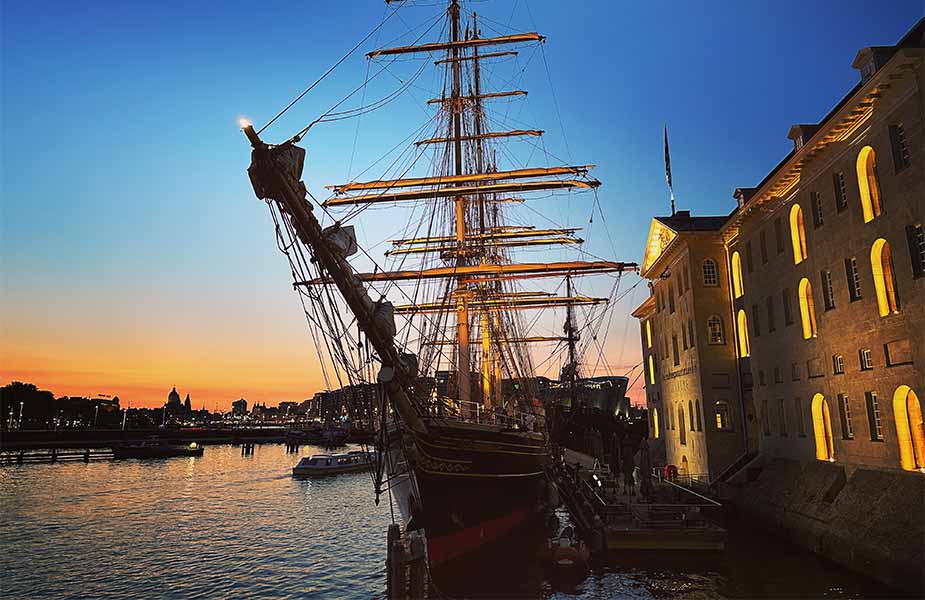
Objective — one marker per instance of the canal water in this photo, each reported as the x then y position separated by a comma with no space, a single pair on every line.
230,526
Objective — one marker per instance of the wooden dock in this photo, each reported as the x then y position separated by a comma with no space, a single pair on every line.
406,564
55,456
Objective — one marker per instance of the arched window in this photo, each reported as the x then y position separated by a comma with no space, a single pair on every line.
655,421
690,411
822,429
868,184
648,334
742,328
797,234
715,327
737,288
682,431
807,309
699,417
881,264
907,410
710,273
721,410
651,370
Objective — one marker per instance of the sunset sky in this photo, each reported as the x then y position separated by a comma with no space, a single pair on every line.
135,257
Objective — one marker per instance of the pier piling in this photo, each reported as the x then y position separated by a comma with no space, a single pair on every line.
406,564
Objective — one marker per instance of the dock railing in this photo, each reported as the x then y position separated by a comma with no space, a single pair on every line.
475,412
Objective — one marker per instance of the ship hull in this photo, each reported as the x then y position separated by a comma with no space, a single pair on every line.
467,485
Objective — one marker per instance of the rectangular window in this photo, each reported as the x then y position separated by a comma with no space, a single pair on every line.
779,234
671,298
674,348
765,420
854,279
798,413
873,417
683,336
722,416
828,296
763,244
815,201
769,301
756,323
795,371
782,417
838,364
749,263
686,273
841,193
690,332
778,375
867,361
901,158
844,411
761,377
916,237
788,307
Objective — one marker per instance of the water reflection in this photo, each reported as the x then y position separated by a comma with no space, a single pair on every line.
226,525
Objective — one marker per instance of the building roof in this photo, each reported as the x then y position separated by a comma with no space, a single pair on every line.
683,221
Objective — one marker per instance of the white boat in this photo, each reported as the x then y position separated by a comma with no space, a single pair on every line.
332,464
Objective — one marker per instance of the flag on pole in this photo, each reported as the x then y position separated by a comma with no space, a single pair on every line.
668,170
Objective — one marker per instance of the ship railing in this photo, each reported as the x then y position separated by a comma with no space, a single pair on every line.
475,412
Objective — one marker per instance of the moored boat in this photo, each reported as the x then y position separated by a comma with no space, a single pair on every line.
320,465
155,449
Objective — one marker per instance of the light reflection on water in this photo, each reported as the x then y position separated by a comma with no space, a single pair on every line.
231,526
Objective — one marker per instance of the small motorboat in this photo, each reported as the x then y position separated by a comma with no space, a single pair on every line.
155,449
319,465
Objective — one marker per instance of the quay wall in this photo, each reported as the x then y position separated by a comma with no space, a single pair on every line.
92,438
869,520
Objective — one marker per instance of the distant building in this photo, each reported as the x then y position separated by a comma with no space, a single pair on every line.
239,407
173,399
187,404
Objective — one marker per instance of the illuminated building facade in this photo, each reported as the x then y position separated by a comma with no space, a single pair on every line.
820,294
830,252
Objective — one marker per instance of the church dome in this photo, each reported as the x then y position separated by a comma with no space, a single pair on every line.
173,397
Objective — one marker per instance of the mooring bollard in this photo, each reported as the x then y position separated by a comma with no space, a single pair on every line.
394,578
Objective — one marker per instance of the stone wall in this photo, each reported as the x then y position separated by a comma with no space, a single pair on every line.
868,520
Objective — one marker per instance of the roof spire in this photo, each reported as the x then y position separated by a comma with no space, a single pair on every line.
668,171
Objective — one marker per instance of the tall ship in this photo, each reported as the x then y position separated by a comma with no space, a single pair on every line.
443,324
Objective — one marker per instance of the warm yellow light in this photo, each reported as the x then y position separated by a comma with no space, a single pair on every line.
797,234
244,122
807,309
737,287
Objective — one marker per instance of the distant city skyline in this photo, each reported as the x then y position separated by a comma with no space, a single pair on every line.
134,257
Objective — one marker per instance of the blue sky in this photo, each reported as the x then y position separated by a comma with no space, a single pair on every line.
128,222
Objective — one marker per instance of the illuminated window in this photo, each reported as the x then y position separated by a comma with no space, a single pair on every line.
737,287
651,370
822,429
854,279
655,429
916,238
710,274
721,410
873,417
797,234
648,334
881,265
841,191
798,413
699,419
844,412
715,326
782,417
742,330
907,411
807,309
901,158
868,183
867,361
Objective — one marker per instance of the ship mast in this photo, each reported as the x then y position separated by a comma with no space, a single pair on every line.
462,309
572,368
